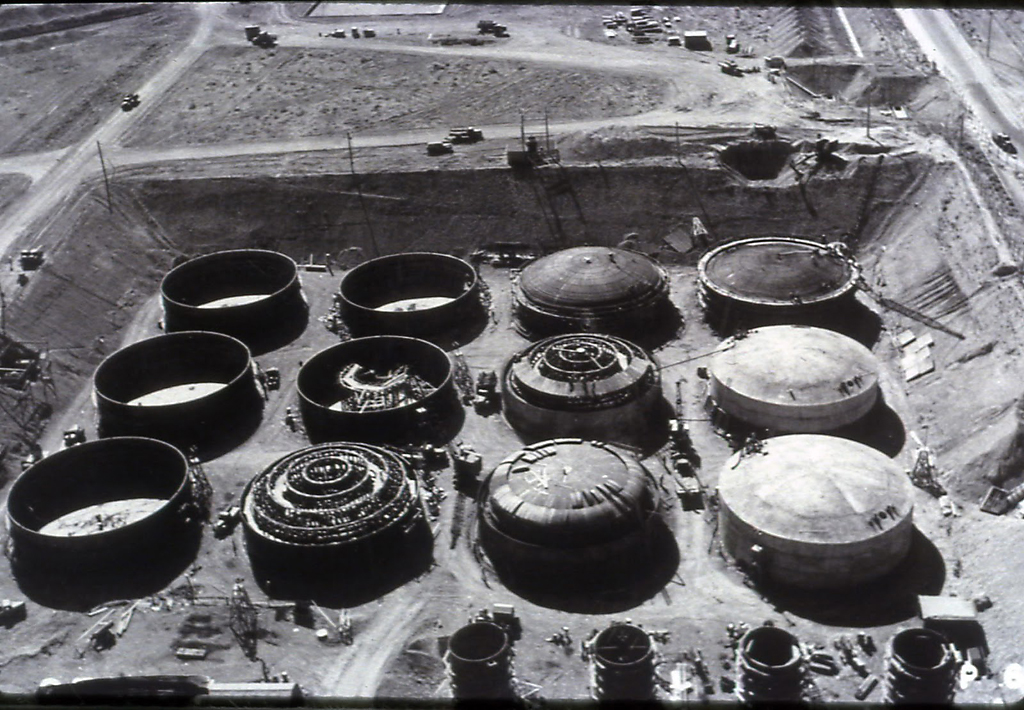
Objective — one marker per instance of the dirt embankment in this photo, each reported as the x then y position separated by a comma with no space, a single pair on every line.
11,187
242,93
58,86
29,20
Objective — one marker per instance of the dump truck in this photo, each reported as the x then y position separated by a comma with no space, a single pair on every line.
129,101
31,259
252,32
265,40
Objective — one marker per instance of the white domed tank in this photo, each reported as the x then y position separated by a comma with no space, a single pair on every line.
794,379
815,512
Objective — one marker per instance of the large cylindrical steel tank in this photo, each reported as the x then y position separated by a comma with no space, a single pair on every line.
794,379
479,663
104,504
567,511
417,294
592,290
188,389
334,512
771,280
622,665
384,389
587,386
815,511
249,294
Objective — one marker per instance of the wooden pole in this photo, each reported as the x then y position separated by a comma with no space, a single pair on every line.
106,180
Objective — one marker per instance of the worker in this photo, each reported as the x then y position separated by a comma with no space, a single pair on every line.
289,418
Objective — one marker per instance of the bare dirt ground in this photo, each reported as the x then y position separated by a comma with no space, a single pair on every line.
918,199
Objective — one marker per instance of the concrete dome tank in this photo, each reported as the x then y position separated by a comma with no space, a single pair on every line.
770,280
417,294
590,289
588,386
188,389
334,512
101,505
567,510
250,294
382,389
815,511
794,379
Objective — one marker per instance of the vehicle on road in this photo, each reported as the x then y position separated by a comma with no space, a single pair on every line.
129,101
1003,141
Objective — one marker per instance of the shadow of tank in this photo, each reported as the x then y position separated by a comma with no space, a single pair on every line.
115,518
338,523
420,294
593,543
588,386
380,389
595,290
763,281
250,294
815,512
192,389
791,379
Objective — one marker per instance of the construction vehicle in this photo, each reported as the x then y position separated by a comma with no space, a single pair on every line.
490,27
355,33
689,494
505,615
439,148
339,33
227,520
1003,141
730,67
731,45
465,135
764,132
486,399
369,32
129,101
674,41
505,254
265,40
252,32
31,259
11,612
73,436
467,463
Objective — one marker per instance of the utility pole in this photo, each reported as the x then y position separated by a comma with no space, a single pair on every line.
362,200
547,134
960,138
106,180
988,42
869,116
3,313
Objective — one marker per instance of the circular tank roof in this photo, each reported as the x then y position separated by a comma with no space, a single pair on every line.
568,492
816,489
592,278
581,370
777,271
791,365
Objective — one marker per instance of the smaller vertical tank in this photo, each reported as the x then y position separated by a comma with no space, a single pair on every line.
920,669
622,667
479,663
769,667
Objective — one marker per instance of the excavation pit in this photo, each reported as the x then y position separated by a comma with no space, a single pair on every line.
417,294
250,294
111,514
383,389
191,389
757,160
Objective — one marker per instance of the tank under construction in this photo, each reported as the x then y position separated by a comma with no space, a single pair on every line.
379,389
331,513
103,506
250,294
591,289
921,669
791,379
417,294
479,663
566,512
622,665
189,389
771,280
815,511
589,386
769,667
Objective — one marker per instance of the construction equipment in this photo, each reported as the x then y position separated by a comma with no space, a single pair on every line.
252,32
31,259
339,33
467,463
730,67
355,33
731,45
469,134
11,612
227,520
244,620
439,148
74,435
129,101
265,40
690,495
369,32
1003,141
490,27
764,132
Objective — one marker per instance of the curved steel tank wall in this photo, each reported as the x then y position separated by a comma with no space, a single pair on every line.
756,291
328,505
794,379
921,669
174,360
622,665
479,663
320,388
187,290
396,277
614,401
769,667
93,473
826,512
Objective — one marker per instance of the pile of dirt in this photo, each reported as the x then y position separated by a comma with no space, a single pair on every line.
613,143
236,93
807,31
